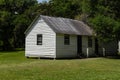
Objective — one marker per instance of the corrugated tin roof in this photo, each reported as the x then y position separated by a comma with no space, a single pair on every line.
67,26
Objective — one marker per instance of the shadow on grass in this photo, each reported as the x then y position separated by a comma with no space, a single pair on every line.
113,57
43,58
76,58
6,52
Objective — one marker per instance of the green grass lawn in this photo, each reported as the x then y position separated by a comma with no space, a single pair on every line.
14,66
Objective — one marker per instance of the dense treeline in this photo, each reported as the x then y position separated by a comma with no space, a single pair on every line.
16,15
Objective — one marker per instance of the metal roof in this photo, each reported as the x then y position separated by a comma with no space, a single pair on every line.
67,26
64,25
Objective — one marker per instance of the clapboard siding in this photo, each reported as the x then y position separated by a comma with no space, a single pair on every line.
48,47
91,50
66,51
84,44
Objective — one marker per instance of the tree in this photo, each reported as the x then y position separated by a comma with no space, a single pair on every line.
105,27
105,20
65,8
15,16
6,28
21,21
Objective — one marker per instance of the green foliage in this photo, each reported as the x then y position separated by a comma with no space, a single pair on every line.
65,8
15,17
103,17
86,7
104,27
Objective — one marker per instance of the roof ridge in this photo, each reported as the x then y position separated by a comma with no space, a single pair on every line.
60,18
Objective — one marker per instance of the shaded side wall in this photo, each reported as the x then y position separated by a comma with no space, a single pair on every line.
66,51
91,50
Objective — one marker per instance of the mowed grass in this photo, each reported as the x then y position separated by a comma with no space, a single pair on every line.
14,66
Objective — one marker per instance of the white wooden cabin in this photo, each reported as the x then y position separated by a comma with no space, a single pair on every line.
55,37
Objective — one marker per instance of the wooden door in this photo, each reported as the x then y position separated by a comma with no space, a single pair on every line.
79,45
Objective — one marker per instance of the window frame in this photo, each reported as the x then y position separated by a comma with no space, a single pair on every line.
66,39
39,39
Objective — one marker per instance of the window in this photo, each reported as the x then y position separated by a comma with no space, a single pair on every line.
66,39
89,42
39,39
